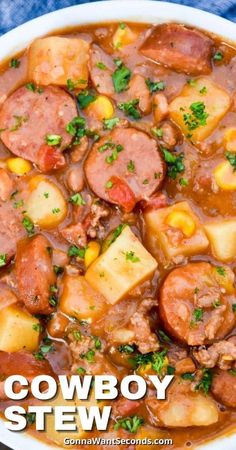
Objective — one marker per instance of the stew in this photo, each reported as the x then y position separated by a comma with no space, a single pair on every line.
118,222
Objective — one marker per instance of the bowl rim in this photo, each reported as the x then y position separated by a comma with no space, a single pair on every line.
142,11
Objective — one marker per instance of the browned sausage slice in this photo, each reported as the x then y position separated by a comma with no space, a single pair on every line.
224,388
130,156
12,229
180,48
28,117
101,78
35,275
194,306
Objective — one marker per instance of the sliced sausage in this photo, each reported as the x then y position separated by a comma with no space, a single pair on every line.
137,90
12,229
35,275
180,48
224,388
136,162
101,78
28,117
22,363
187,300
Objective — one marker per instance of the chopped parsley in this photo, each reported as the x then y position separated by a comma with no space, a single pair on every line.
77,199
198,314
37,327
85,97
15,63
156,360
114,155
46,194
218,56
183,182
130,256
101,66
234,307
56,210
108,184
44,348
197,117
106,146
175,163
163,336
192,82
53,139
3,259
31,87
116,233
231,157
28,225
233,372
154,86
70,85
89,355
206,380
77,335
131,166
58,270
121,76
203,90
127,349
130,424
30,418
216,303
122,26
76,251
81,371
130,108
19,121
77,128
158,132
109,124
220,270
188,376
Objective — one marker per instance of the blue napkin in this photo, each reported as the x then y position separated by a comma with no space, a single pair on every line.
15,12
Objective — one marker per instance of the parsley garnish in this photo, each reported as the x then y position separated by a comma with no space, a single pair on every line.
53,139
130,108
76,251
3,260
109,124
197,117
77,199
130,424
131,166
231,157
77,128
188,376
15,63
220,270
30,418
205,383
19,121
218,56
101,66
198,314
234,307
108,184
114,155
89,355
128,349
85,98
80,371
116,233
130,256
175,163
37,327
121,76
158,132
154,86
28,225
233,372
58,270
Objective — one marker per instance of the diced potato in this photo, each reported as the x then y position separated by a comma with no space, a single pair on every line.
121,267
215,99
46,205
80,300
19,166
91,253
230,140
101,108
18,330
184,236
123,36
222,236
225,176
58,436
54,60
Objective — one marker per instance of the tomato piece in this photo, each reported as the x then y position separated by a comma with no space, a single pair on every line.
120,193
50,158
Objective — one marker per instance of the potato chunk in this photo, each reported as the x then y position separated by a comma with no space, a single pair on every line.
176,229
121,267
54,60
199,108
18,330
184,407
80,300
222,236
58,436
123,36
46,205
225,176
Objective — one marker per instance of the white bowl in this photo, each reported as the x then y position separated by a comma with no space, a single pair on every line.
109,11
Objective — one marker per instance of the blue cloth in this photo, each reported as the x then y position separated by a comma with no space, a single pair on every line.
16,12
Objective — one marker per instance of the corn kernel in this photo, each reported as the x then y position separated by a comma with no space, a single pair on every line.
101,108
91,253
19,166
225,176
229,140
123,36
182,221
